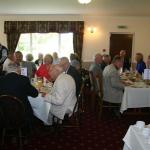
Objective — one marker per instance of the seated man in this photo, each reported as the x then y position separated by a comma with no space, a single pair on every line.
95,68
126,60
10,59
64,62
95,72
63,95
19,86
112,85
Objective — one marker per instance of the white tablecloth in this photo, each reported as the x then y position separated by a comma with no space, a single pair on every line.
135,98
40,108
134,140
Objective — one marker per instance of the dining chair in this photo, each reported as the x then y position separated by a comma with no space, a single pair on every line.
12,118
75,120
99,96
93,91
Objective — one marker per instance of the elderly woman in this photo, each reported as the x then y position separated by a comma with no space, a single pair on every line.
140,63
31,67
44,69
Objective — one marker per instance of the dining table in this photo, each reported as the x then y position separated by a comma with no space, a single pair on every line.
136,94
135,140
41,108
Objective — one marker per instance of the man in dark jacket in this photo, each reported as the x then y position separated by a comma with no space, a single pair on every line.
64,62
19,86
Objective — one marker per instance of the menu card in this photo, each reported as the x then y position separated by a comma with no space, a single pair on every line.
24,71
146,75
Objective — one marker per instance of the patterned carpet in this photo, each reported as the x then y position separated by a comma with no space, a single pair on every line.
94,134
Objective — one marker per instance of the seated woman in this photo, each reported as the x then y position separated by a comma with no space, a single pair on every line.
140,63
44,69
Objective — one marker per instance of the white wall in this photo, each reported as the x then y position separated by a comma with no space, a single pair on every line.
95,42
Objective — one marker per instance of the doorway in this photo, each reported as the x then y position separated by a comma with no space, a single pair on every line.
121,41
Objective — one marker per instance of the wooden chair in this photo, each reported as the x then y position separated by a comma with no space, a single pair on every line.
93,92
12,114
75,120
101,103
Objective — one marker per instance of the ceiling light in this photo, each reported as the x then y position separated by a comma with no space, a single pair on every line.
84,1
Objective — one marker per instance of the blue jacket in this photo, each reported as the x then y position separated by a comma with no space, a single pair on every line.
140,67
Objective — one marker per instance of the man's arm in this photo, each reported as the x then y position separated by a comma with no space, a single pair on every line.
58,95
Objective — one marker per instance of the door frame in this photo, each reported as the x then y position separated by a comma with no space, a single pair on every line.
133,42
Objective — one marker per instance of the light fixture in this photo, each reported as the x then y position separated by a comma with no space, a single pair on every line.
84,1
91,29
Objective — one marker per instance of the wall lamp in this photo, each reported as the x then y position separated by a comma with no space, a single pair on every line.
92,29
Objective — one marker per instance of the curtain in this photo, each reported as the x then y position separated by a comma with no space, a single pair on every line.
13,29
12,41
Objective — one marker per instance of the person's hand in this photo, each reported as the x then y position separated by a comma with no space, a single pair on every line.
43,94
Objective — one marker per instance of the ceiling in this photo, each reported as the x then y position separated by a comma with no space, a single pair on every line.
96,7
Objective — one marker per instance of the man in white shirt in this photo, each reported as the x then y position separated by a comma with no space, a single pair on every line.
9,60
63,94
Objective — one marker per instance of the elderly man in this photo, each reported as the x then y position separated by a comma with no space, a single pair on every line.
112,85
9,60
19,86
126,60
95,72
106,61
18,58
3,56
63,94
64,62
95,68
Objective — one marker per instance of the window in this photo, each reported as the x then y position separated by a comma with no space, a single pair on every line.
46,43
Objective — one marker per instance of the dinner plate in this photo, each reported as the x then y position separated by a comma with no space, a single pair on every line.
139,86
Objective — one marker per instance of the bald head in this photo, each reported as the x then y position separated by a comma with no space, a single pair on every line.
64,63
98,58
55,71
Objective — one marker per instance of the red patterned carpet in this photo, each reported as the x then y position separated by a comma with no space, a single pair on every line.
104,134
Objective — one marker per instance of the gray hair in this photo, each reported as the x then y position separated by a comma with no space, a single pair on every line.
12,67
29,57
64,59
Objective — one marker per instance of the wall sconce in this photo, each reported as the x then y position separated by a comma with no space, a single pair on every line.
92,29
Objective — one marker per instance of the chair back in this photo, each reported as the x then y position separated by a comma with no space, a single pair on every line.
92,80
79,101
12,112
99,84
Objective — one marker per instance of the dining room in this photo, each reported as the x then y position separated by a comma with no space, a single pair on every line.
86,29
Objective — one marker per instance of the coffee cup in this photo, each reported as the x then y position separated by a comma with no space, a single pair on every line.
140,124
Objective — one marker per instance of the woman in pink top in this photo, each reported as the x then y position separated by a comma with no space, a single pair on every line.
44,69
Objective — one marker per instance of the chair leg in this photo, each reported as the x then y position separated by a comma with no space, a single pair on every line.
3,137
20,139
100,108
93,101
